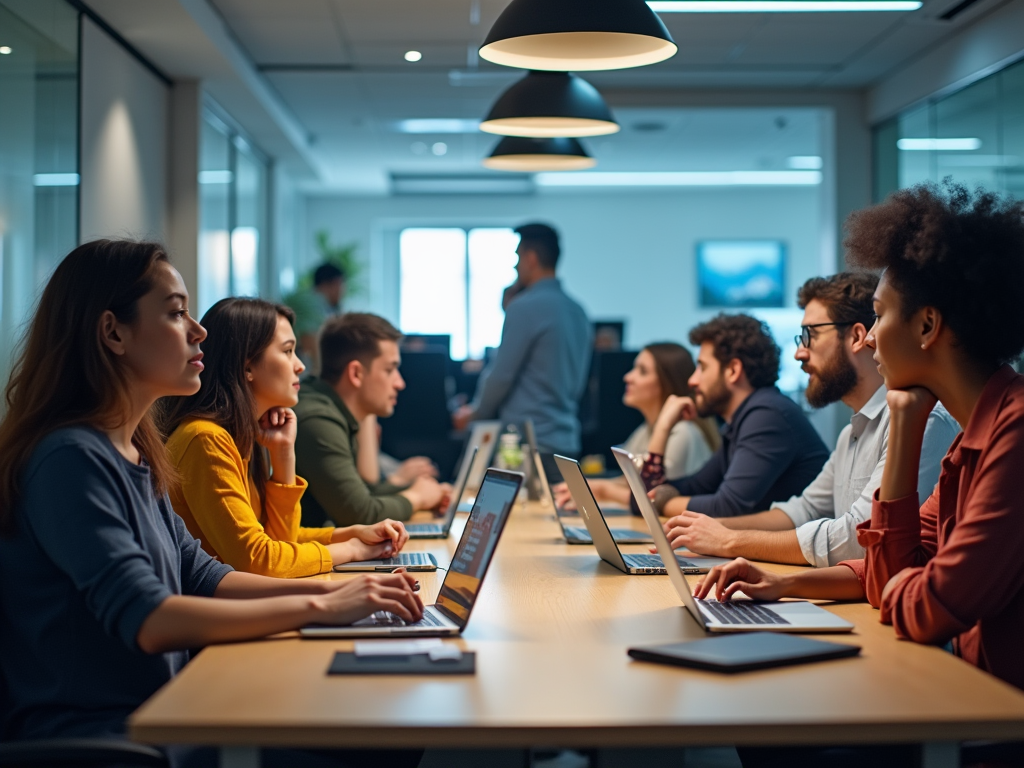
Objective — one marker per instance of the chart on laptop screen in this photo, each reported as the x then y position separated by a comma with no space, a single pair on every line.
476,546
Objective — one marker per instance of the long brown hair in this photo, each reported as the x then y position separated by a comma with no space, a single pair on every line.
65,375
239,331
674,365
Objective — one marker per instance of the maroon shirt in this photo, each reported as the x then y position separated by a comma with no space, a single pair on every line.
965,546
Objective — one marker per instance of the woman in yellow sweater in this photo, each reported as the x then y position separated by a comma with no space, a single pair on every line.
241,510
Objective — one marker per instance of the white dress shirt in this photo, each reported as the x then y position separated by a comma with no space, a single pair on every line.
827,513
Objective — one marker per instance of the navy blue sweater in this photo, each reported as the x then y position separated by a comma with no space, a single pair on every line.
95,552
770,452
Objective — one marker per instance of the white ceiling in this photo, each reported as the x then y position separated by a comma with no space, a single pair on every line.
338,67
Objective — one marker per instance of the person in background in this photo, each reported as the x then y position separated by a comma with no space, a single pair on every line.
360,378
376,466
948,322
242,510
540,370
659,370
103,591
819,526
312,308
769,449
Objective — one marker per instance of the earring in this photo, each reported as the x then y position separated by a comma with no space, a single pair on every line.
922,346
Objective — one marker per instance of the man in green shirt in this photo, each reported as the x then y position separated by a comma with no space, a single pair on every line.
359,377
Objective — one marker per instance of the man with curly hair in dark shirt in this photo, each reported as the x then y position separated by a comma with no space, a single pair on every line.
769,449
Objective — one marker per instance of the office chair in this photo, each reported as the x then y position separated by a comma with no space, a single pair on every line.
79,753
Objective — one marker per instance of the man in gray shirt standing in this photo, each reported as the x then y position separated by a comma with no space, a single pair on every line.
819,527
541,367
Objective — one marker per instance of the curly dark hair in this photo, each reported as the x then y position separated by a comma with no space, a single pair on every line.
958,251
848,297
743,338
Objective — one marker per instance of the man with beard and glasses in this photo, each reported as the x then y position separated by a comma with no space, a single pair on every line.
819,526
769,449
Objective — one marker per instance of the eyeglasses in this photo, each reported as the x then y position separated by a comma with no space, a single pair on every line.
804,339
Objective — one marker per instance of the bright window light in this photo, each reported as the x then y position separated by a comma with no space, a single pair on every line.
680,179
780,6
55,180
804,163
413,56
5,49
215,177
934,145
492,268
244,251
438,125
452,281
432,284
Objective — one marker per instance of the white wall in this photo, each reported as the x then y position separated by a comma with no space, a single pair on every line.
125,157
626,256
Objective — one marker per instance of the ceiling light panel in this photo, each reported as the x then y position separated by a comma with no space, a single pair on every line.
681,179
938,145
782,6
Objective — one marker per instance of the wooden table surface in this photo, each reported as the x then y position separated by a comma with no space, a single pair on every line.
550,629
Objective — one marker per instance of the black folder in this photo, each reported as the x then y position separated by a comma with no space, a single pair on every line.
413,664
744,652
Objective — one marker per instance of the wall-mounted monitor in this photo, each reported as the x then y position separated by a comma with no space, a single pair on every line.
733,274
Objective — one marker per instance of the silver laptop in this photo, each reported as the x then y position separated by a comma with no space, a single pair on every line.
573,534
735,615
461,586
607,548
484,436
439,530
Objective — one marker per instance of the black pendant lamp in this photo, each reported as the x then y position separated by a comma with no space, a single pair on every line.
516,153
546,104
578,35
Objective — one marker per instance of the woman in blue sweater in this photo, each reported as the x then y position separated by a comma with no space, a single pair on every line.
102,589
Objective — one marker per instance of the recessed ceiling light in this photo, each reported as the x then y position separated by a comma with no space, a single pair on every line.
413,55
439,148
55,180
681,179
5,49
438,125
931,145
780,6
418,148
804,162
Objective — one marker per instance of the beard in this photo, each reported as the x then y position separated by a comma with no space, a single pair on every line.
833,381
713,401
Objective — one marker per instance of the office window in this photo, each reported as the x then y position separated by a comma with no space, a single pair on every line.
975,136
451,283
233,214
38,155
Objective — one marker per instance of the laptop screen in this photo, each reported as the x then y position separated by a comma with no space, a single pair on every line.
476,547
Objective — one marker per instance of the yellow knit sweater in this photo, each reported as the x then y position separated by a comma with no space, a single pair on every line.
220,506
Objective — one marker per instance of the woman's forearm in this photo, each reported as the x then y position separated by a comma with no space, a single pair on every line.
183,621
835,583
239,585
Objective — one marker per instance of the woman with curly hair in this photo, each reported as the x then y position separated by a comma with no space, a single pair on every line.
948,322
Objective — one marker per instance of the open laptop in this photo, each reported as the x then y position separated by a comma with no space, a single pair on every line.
573,534
735,615
440,529
607,548
484,436
461,586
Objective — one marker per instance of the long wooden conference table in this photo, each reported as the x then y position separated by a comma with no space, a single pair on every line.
550,630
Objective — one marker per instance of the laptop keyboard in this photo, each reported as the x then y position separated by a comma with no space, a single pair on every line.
385,619
424,528
742,612
622,534
408,558
577,534
645,561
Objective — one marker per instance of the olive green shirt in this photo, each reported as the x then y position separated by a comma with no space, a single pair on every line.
325,456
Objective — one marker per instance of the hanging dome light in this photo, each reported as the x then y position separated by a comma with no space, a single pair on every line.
578,35
515,153
546,104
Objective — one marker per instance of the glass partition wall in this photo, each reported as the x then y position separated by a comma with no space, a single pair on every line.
975,136
38,154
